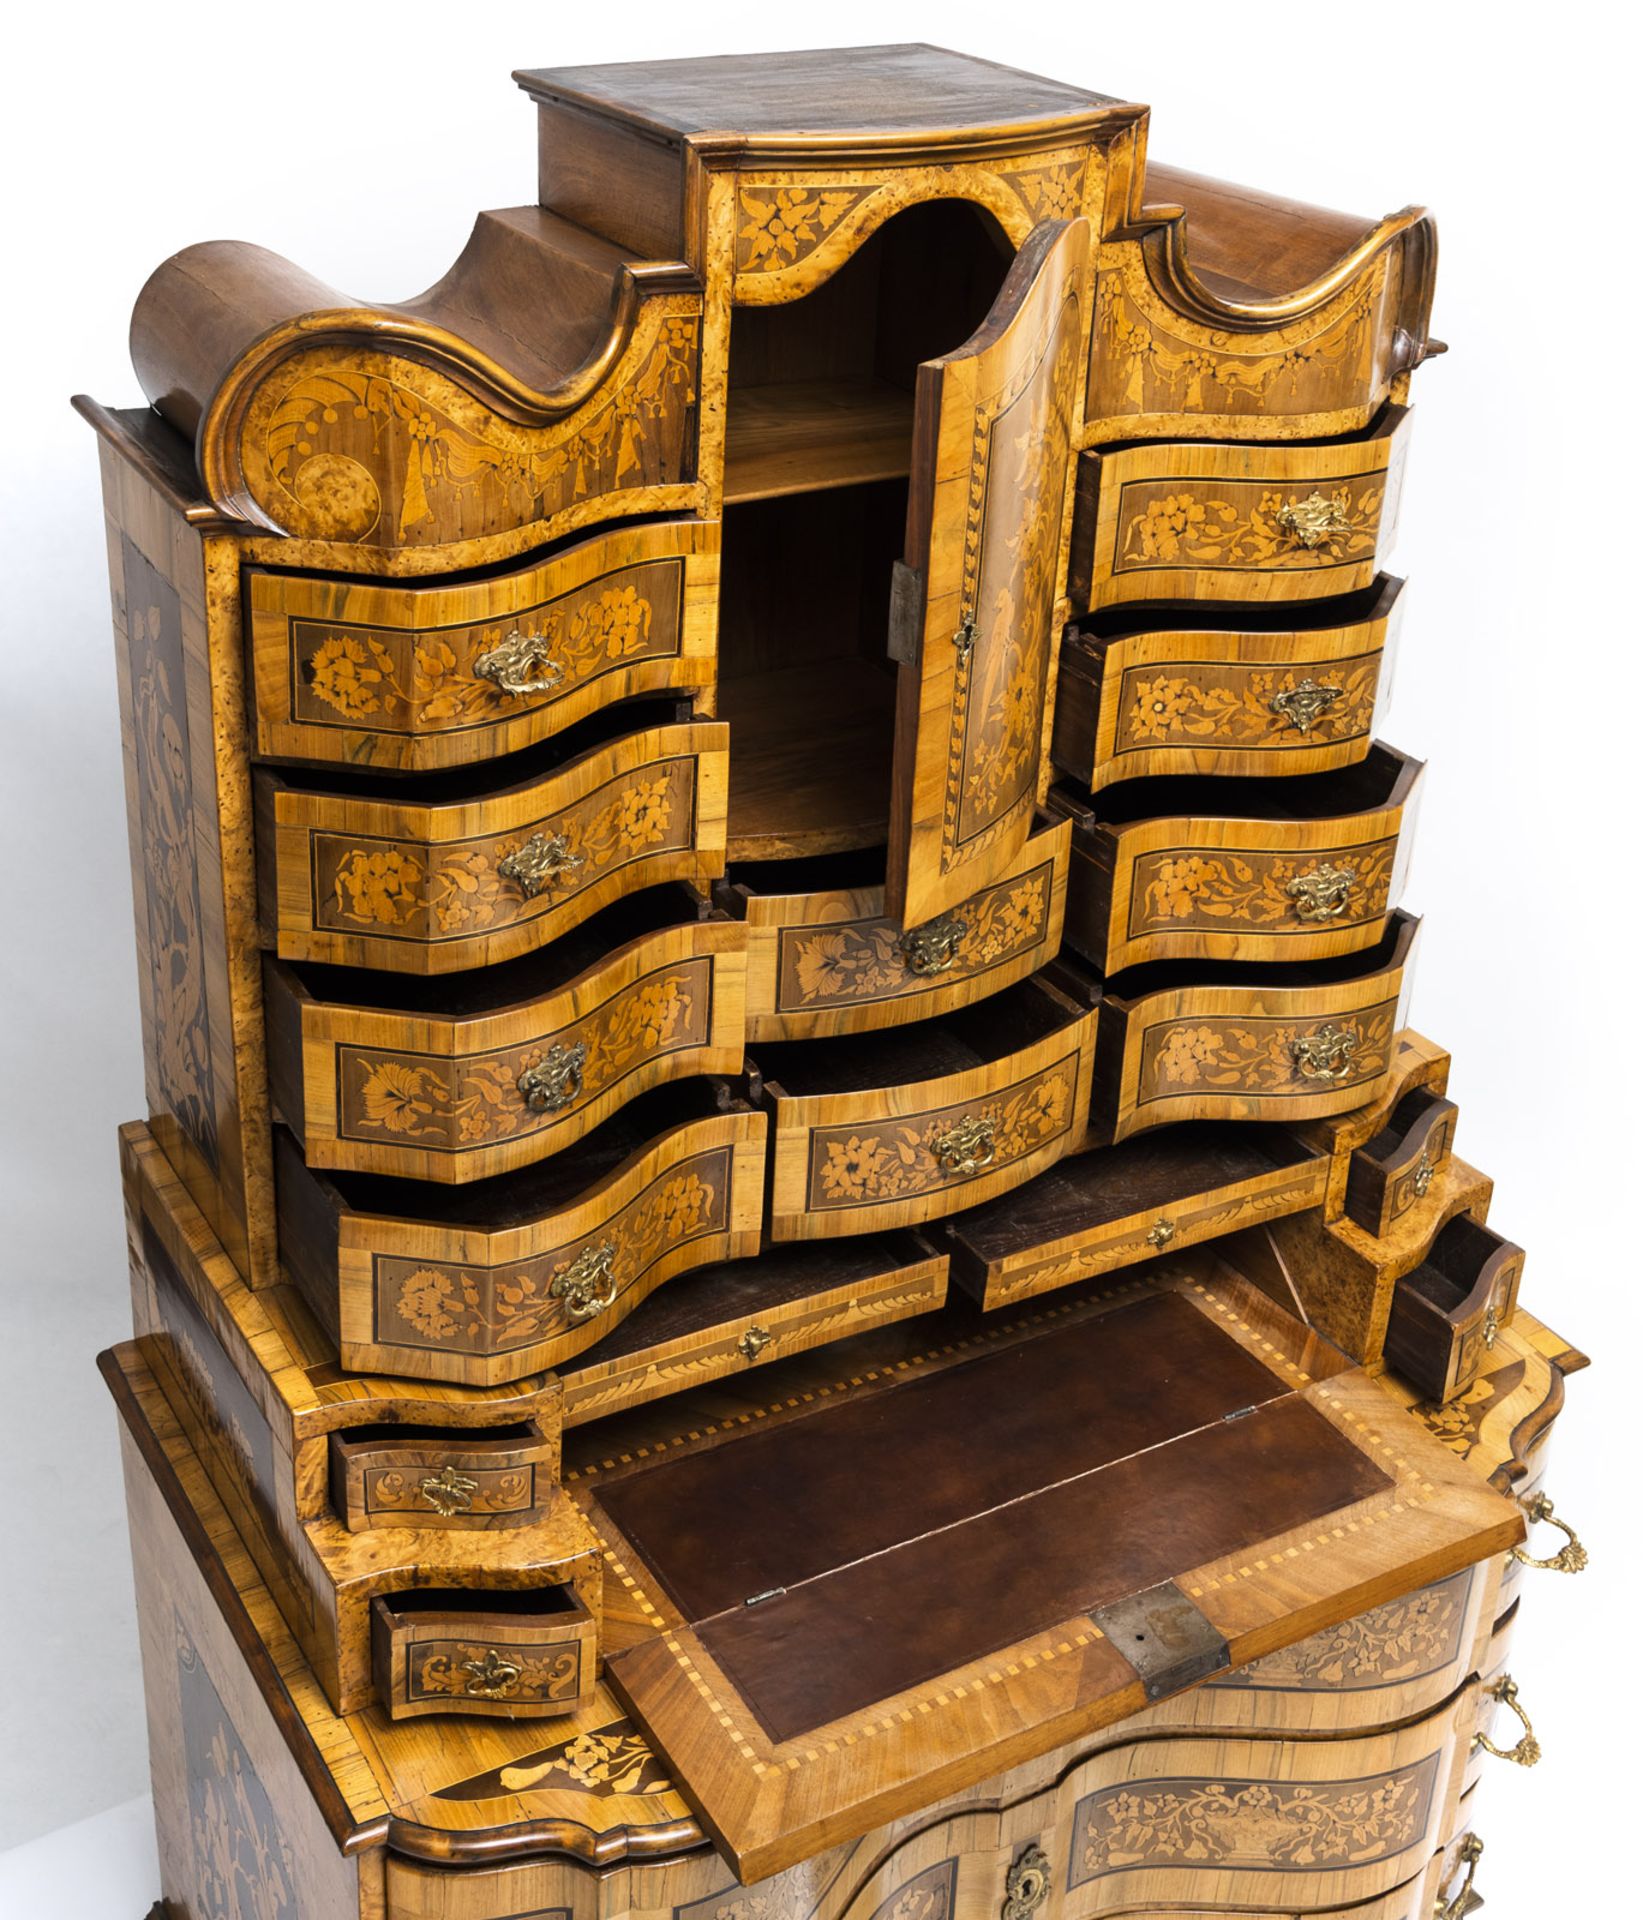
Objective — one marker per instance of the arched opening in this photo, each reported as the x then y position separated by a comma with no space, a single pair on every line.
818,453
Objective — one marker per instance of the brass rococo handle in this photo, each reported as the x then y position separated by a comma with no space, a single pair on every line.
449,1491
933,947
556,1079
544,858
1464,1900
1326,1054
492,1676
968,1145
520,664
1322,893
1527,1751
1303,706
1571,1557
588,1285
754,1342
1162,1232
1314,521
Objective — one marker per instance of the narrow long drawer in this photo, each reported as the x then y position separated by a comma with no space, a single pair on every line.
458,1079
1190,520
471,873
525,1655
822,958
1253,693
367,673
1235,870
405,1476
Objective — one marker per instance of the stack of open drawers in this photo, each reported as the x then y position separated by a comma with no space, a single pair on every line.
790,1254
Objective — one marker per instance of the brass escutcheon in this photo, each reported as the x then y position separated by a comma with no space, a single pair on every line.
588,1285
964,641
520,664
1027,1884
544,858
556,1079
491,1677
1464,1900
1314,521
968,1145
1305,705
448,1491
1571,1557
1162,1233
754,1342
1425,1168
1527,1751
933,947
1323,893
1324,1055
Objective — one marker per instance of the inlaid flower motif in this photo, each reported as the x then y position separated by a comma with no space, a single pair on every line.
1186,1053
438,1304
1178,884
383,887
465,891
654,1013
1167,522
644,812
348,672
618,623
396,1097
440,686
853,1167
1159,707
788,223
612,1761
683,1206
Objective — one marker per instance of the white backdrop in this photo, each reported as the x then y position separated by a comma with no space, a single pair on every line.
360,139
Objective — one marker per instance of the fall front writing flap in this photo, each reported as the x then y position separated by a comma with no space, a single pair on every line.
986,534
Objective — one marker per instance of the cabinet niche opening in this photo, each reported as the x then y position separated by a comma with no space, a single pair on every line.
818,454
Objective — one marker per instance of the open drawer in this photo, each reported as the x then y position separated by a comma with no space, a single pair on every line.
859,1598
519,1654
1394,1169
1447,1314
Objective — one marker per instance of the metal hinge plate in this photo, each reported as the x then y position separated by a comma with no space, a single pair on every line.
1164,1637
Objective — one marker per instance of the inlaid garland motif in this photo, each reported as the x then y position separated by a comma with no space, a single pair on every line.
1183,889
1244,524
484,1491
1222,1053
463,1670
373,448
464,1309
407,890
1278,1826
1192,705
865,960
451,1105
1406,1639
899,1159
408,682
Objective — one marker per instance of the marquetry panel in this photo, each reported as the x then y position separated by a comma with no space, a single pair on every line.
411,1477
535,1662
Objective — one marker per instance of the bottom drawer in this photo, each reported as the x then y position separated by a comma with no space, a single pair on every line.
523,1655
1447,1314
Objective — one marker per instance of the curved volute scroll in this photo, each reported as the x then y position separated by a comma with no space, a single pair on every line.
545,373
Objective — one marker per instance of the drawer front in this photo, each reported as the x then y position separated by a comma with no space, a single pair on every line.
418,1479
1226,1052
862,1162
465,1659
481,1309
1243,703
436,889
1180,521
460,1100
823,963
1382,1184
421,677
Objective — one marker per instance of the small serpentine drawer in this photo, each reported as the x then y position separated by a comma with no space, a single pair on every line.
1447,1313
461,1077
472,868
891,1129
1395,1169
371,673
405,1476
1182,1041
1196,520
525,1655
1232,691
1239,870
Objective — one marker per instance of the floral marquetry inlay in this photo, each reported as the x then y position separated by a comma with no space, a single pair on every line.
1407,1638
1228,889
1200,704
1226,1054
601,1761
1241,524
462,1670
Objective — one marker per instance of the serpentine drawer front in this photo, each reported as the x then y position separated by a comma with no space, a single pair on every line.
404,1476
481,870
1235,691
527,1655
1394,1170
1239,870
457,1079
389,675
1202,521
1449,1312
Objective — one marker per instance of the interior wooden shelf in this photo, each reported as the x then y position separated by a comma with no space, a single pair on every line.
810,749
807,436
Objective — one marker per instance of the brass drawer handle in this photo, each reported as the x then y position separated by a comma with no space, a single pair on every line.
1464,1900
1425,1170
1571,1557
544,858
968,1145
1304,706
1527,1750
933,947
1027,1884
521,664
754,1342
448,1491
556,1079
1315,521
588,1284
1163,1232
1326,1054
1491,1327
491,1677
1323,893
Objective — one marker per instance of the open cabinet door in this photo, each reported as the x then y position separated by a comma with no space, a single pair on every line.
975,618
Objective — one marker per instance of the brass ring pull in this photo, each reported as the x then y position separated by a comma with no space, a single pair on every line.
1305,705
556,1079
968,1145
1313,522
1323,893
1571,1557
1324,1055
543,859
1527,1750
588,1285
1162,1232
1027,1884
491,1677
933,947
449,1491
1464,1900
521,664
754,1342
